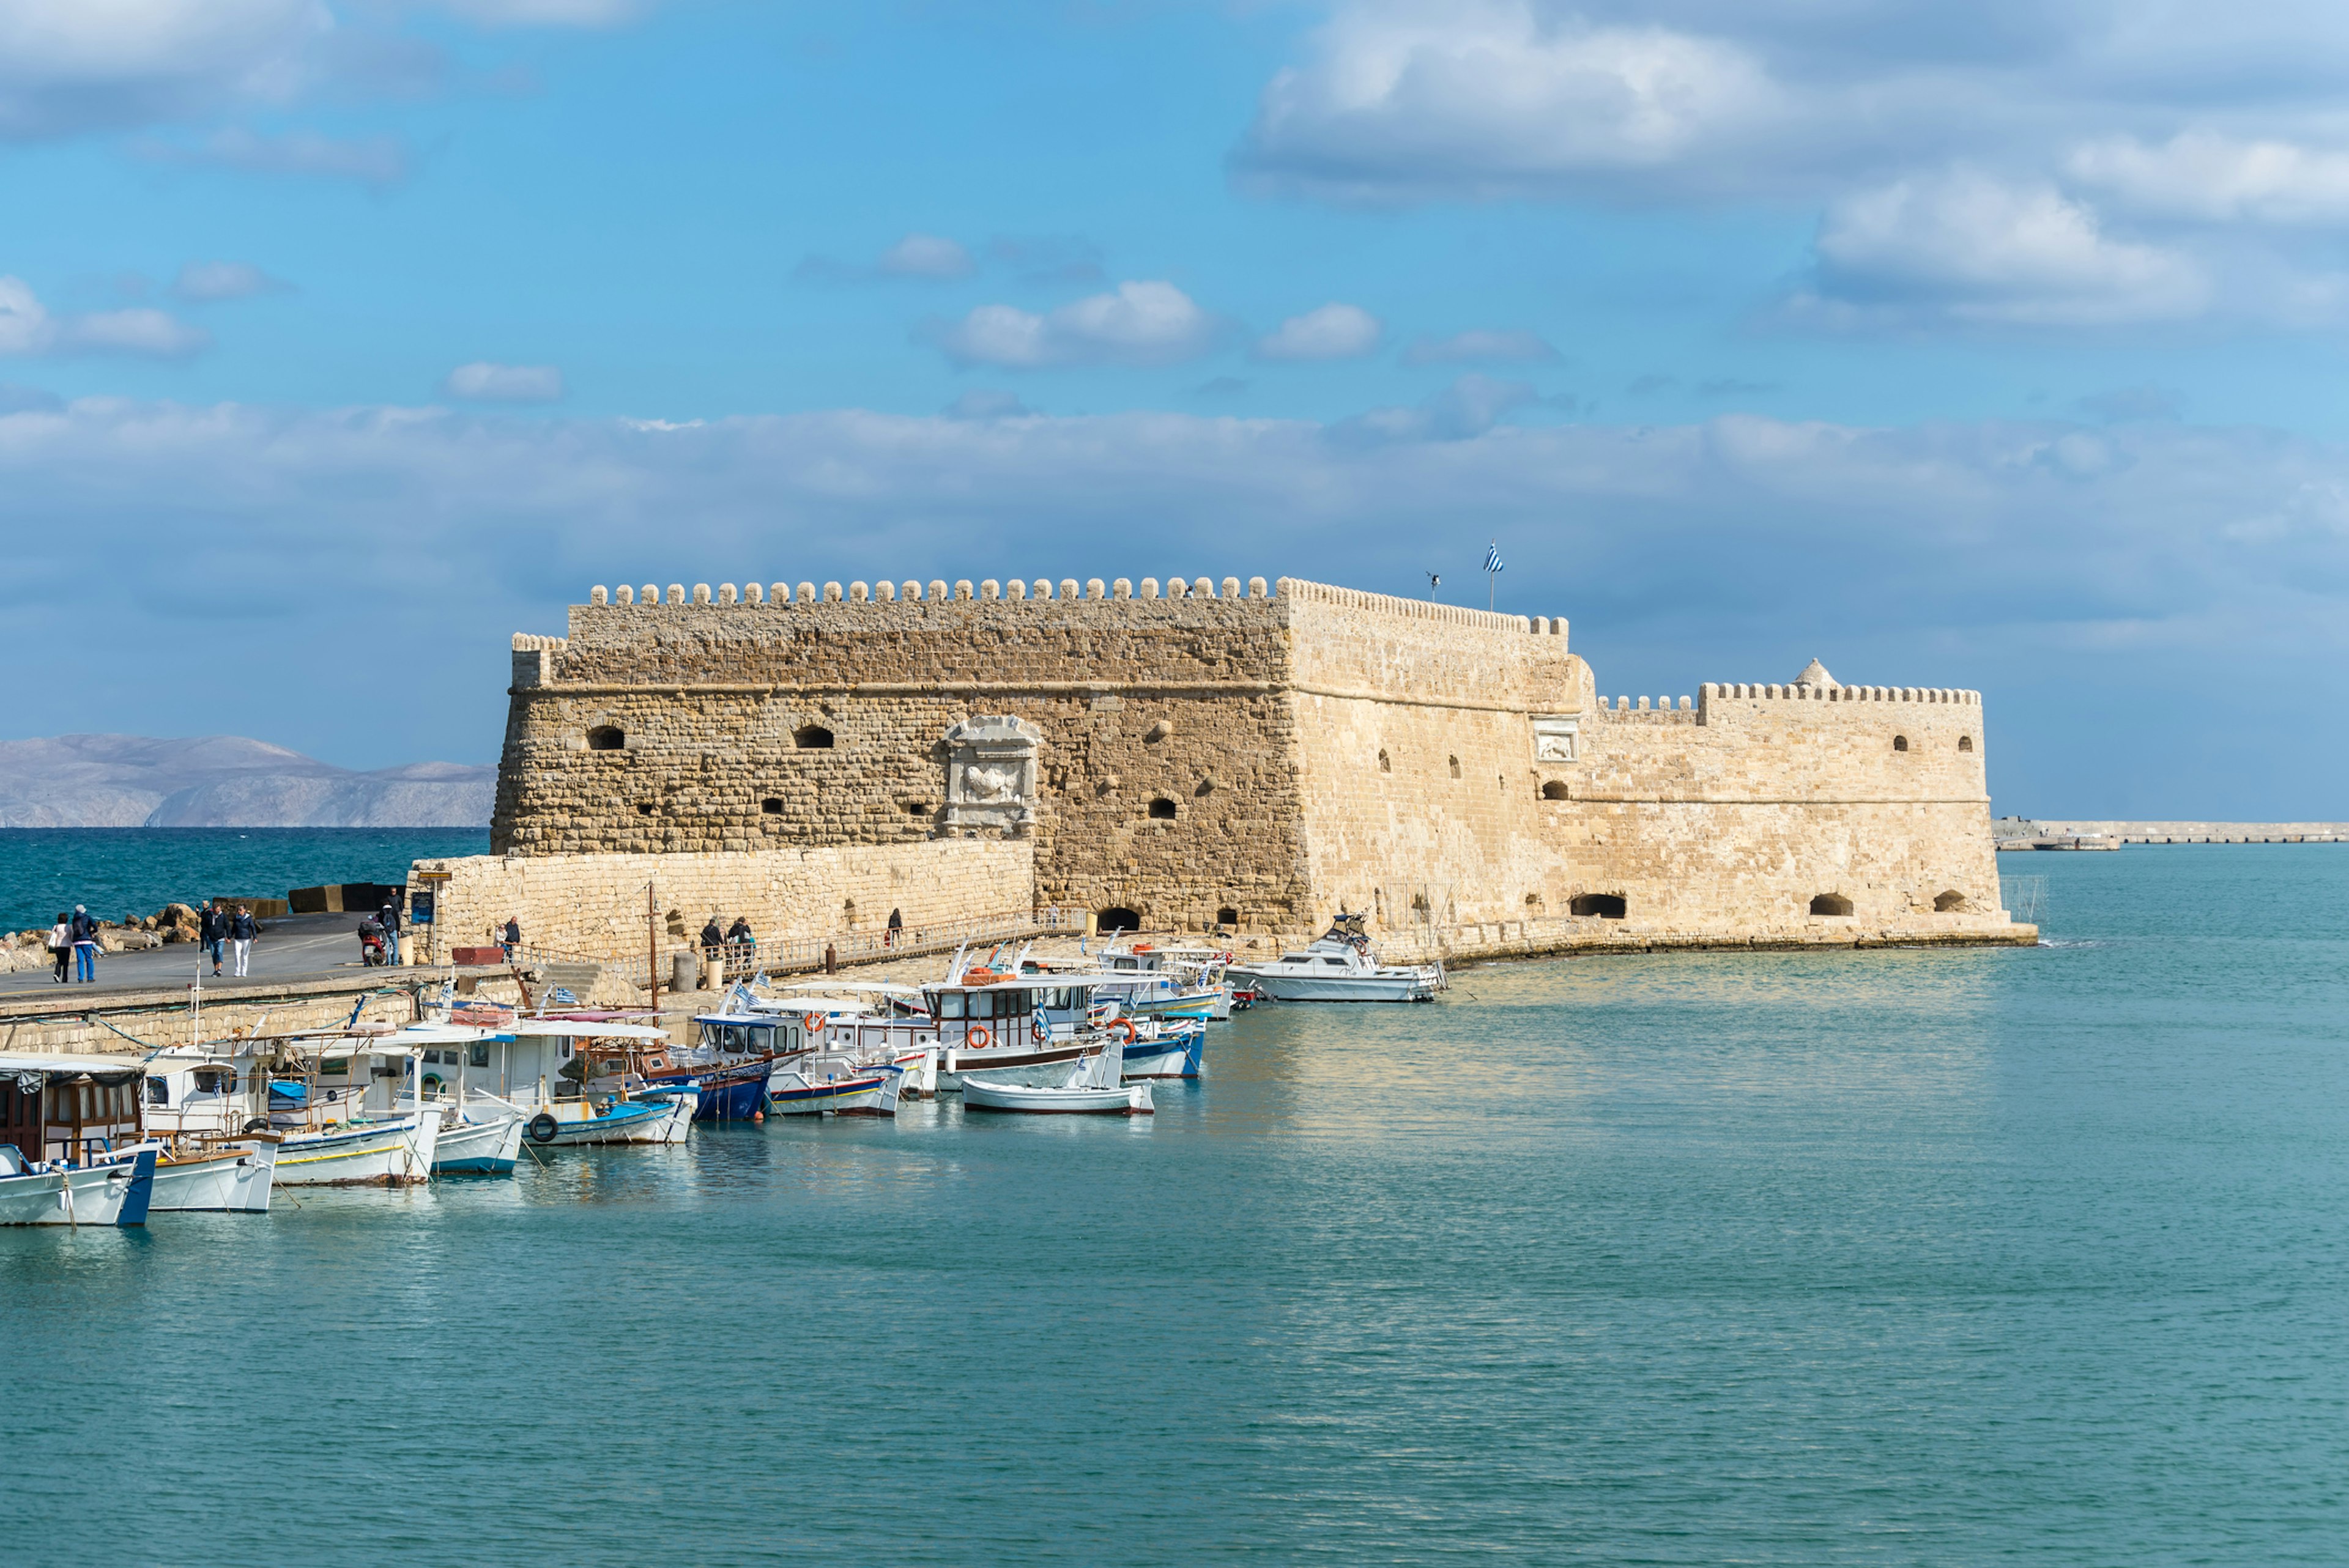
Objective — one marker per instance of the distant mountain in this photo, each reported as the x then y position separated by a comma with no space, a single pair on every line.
225,781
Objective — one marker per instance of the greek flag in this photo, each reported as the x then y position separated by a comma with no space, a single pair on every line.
560,996
1493,557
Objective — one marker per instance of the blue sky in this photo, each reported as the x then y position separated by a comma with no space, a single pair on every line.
1998,345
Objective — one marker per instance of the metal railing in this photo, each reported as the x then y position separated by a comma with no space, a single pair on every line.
802,954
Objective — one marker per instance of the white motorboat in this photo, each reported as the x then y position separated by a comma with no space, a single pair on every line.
823,1083
569,1083
1091,1086
395,1151
1339,966
52,1192
655,1116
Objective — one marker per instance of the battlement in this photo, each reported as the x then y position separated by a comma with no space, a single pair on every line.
1044,590
1800,692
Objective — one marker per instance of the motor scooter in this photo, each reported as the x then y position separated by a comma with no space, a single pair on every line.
372,953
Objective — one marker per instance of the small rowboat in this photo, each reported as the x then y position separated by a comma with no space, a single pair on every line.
1091,1086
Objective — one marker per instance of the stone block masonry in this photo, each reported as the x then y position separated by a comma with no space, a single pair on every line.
1197,755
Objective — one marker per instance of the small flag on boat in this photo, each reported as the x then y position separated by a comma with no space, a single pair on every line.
1493,557
560,996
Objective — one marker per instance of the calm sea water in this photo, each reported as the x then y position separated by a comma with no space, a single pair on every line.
1887,1258
138,870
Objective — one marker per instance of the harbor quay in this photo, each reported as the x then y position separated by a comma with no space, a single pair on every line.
1240,762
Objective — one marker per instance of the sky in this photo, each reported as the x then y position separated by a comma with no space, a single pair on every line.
1997,346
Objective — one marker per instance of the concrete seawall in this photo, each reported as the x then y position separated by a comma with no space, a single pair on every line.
2015,832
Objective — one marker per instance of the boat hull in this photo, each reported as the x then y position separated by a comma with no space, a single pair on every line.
667,1120
865,1094
228,1182
114,1194
479,1148
959,1059
393,1153
1344,987
980,1093
1178,1058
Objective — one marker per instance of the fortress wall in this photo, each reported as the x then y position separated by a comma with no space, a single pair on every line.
1139,699
593,906
1415,755
1735,812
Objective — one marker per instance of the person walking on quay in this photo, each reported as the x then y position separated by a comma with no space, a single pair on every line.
211,927
242,930
741,945
511,937
388,918
713,945
896,928
61,945
84,928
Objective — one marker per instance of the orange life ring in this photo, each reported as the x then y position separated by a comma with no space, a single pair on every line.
978,1037
1125,1024
1035,1029
812,1023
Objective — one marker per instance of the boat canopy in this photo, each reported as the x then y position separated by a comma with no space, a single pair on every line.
43,1068
580,1029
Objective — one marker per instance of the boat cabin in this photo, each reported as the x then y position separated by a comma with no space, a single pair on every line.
70,1108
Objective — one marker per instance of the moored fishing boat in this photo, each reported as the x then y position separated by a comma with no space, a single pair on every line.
818,1083
1093,1087
215,1179
53,1193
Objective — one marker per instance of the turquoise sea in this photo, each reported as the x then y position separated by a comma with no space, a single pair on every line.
137,871
1924,1257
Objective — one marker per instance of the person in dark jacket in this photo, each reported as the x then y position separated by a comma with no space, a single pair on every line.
741,945
212,929
388,918
713,945
511,937
896,925
242,929
61,945
84,927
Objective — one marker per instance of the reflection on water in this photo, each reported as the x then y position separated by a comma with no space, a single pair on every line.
1768,1257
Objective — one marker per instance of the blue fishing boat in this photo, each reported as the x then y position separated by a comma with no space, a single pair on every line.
734,1092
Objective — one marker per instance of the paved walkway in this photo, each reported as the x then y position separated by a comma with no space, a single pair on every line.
293,946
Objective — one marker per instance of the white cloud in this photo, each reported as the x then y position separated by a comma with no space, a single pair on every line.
28,327
209,281
1481,346
2208,177
925,256
376,160
1332,332
75,65
1964,247
1490,97
482,382
1136,323
2172,563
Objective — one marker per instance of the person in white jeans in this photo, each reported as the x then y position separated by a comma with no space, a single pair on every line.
241,932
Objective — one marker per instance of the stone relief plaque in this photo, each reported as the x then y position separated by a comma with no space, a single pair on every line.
1554,737
991,774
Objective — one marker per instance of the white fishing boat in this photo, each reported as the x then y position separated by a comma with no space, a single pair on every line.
1339,966
1091,1086
822,1083
474,1142
220,1178
869,1022
655,1116
52,1192
569,1083
1163,1051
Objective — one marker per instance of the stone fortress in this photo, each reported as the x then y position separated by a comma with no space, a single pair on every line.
1206,757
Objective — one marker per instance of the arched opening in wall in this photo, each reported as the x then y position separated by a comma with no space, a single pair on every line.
772,805
812,737
1949,903
1228,915
1117,918
1385,765
1900,743
1455,767
1830,903
1965,743
918,808
606,738
1605,905
1553,790
1161,809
